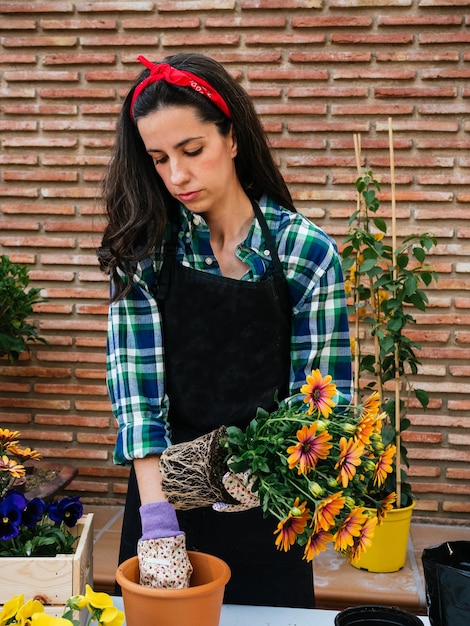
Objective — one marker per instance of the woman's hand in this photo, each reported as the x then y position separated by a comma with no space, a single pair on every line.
163,560
239,486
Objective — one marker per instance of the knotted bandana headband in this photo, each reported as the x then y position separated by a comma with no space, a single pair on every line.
163,71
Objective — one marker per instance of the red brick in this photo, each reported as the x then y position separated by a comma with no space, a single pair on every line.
246,22
374,38
36,7
78,58
12,24
331,21
288,39
37,42
415,92
40,109
103,24
15,209
115,7
140,41
160,22
281,4
418,56
330,57
419,20
72,420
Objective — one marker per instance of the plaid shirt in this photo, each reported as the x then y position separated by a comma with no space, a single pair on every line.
320,334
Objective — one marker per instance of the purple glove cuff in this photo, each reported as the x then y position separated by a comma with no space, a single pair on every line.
159,520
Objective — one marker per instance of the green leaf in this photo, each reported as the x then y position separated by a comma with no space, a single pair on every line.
422,397
380,224
367,265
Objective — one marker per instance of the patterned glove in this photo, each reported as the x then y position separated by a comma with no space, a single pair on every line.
239,487
163,560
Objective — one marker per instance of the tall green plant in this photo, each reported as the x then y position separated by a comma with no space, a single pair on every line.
16,305
385,285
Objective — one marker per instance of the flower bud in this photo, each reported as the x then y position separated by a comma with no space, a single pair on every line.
350,502
332,483
315,489
295,511
349,429
369,465
322,425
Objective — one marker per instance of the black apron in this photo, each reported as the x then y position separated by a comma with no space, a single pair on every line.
227,349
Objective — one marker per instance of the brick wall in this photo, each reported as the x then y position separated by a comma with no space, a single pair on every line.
319,72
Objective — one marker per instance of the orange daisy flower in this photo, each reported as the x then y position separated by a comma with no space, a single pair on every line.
351,527
319,392
326,511
349,459
310,449
24,453
385,506
379,422
7,436
384,465
15,469
293,525
370,406
365,538
364,429
317,543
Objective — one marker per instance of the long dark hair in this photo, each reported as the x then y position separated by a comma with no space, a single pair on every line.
137,202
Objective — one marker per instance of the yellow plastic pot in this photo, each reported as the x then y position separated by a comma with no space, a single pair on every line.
198,605
389,543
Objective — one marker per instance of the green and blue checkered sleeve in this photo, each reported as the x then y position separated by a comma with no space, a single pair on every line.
320,329
135,375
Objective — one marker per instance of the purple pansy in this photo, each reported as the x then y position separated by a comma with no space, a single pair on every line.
33,512
68,510
11,510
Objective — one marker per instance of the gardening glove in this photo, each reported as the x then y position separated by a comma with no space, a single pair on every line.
239,486
163,560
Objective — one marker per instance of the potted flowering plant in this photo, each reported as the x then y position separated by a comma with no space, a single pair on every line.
12,459
384,282
45,547
32,613
37,528
385,279
16,305
311,464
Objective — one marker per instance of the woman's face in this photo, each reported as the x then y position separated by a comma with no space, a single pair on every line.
194,161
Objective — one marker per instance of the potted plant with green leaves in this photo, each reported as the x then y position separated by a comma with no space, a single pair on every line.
386,277
16,306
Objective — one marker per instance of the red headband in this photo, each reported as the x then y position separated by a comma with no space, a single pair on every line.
171,75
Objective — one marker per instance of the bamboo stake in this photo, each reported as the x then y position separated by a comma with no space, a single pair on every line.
357,152
395,270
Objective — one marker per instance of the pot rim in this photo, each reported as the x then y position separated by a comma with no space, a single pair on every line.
393,610
185,592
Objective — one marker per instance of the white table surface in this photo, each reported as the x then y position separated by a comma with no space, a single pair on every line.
237,615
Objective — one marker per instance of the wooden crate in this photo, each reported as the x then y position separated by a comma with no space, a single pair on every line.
51,579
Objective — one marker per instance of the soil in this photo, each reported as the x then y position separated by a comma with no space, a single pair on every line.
39,477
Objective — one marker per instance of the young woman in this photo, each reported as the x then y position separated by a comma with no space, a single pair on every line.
222,297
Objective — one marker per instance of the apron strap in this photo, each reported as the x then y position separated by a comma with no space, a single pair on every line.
160,290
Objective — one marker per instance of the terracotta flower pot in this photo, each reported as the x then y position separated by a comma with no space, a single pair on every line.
376,615
198,605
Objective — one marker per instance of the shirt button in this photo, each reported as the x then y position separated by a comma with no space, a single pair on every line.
266,253
196,220
208,260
